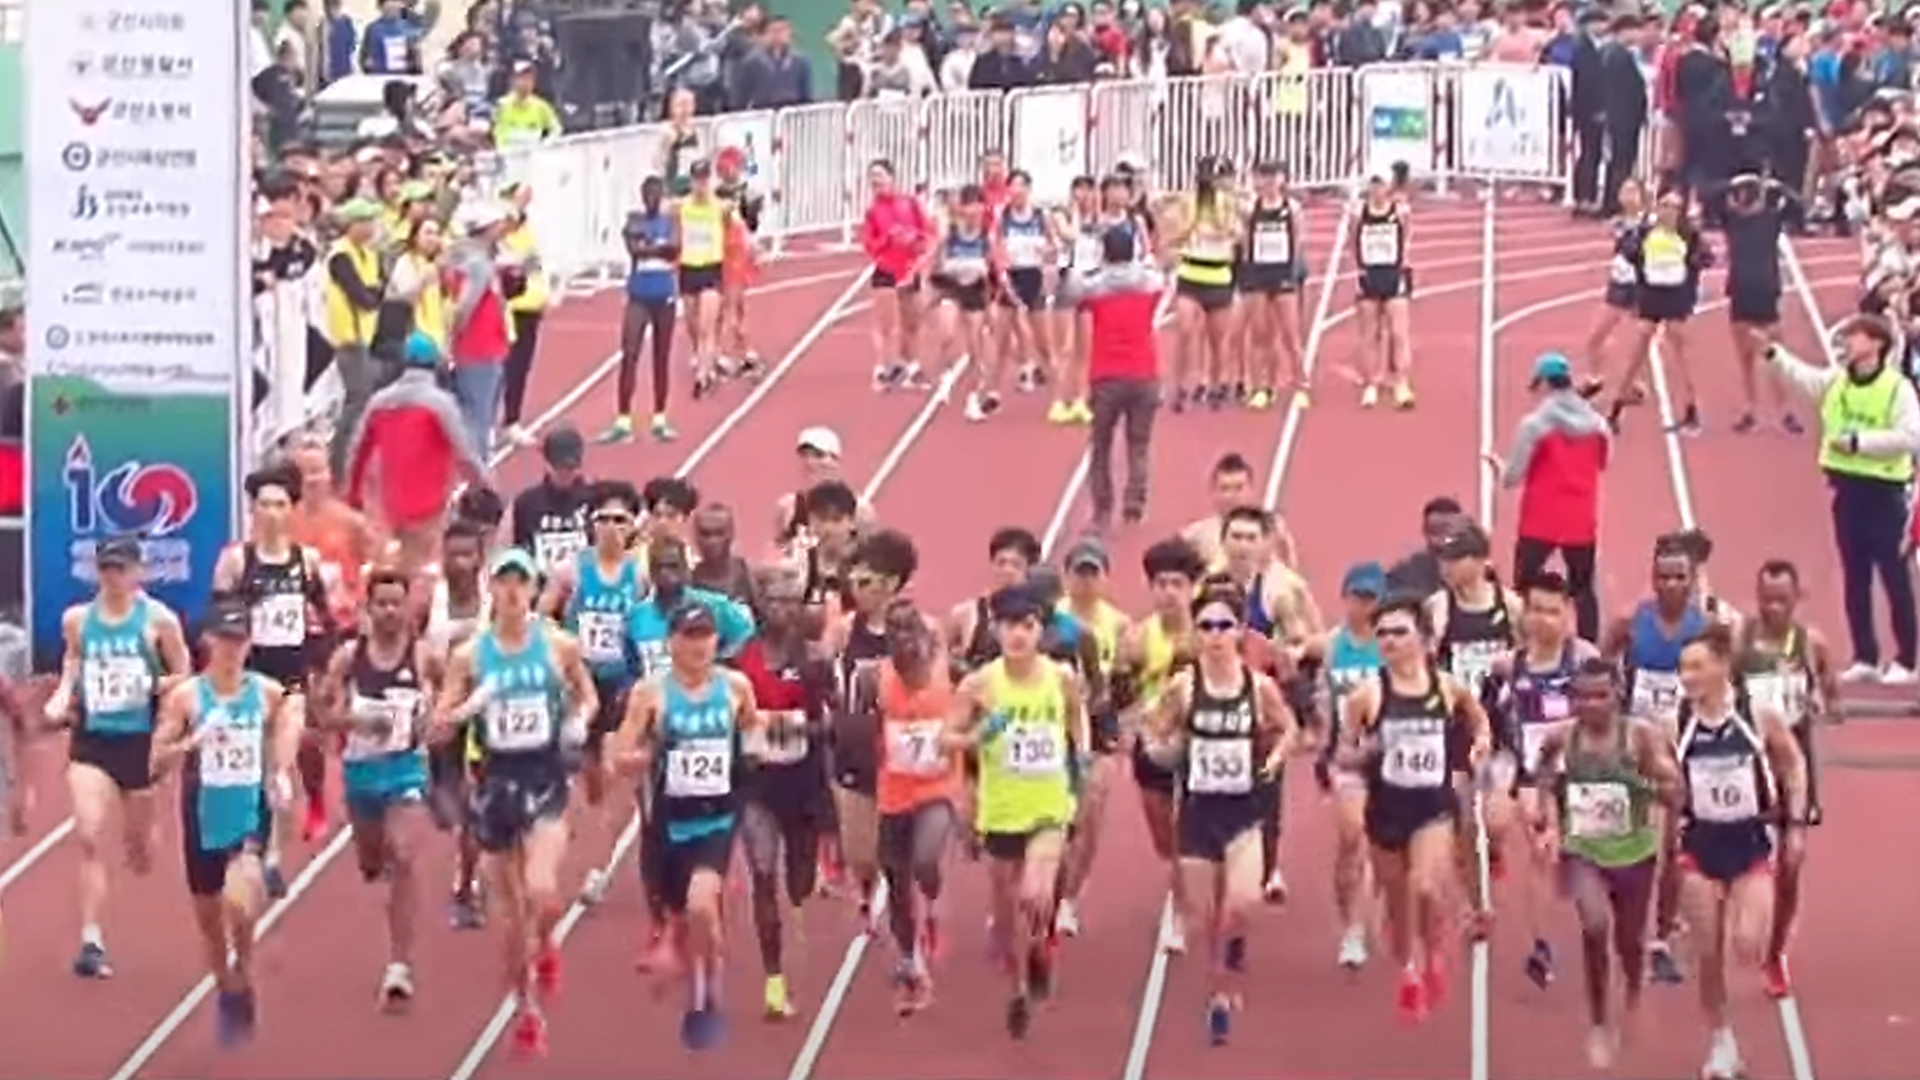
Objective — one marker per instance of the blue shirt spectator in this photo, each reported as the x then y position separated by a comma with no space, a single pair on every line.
343,40
391,43
774,76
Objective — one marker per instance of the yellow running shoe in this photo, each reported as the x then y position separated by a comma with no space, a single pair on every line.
778,1005
1082,412
1260,399
1403,395
1302,399
1060,413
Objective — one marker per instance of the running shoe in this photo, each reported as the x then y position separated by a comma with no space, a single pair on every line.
1353,948
1412,997
275,881
1540,964
1723,1060
396,987
529,1034
661,430
1779,979
1219,1020
91,962
778,1005
1066,919
1019,1016
1173,938
702,1028
1276,887
234,1017
912,990
619,431
1234,957
546,970
1661,967
466,913
1260,400
1403,398
1369,396
1059,413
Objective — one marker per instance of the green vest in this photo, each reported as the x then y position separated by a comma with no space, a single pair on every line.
1849,407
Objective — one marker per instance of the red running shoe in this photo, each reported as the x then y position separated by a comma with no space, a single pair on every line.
1413,996
1779,980
932,945
530,1035
546,970
315,825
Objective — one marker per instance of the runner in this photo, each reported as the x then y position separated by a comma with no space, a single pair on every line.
1787,668
228,729
1080,226
1024,244
375,691
669,502
1381,234
1231,729
1011,553
882,565
832,513
959,272
1743,773
1617,301
917,780
898,236
786,809
591,595
818,453
1279,604
1153,649
1088,564
280,583
1348,657
1270,278
715,565
340,535
1025,717
1668,262
702,219
739,262
1230,486
1756,208
652,308
524,684
1646,644
1475,619
685,729
1531,694
460,604
1604,774
1205,227
550,516
1412,730
124,651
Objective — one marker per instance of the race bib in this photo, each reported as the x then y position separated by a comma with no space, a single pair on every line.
653,658
1473,662
1598,811
280,621
1723,789
1031,749
697,236
1533,742
1380,245
116,683
781,741
1656,695
1025,250
1554,705
913,748
1210,249
554,549
700,769
1086,251
230,757
1620,272
965,270
1415,759
1665,272
397,710
1780,692
1220,766
1273,246
602,637
523,724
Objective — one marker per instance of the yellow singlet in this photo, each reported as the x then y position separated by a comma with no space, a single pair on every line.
1024,781
703,232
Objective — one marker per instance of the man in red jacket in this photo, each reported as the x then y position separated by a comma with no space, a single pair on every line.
1559,452
1123,374
412,446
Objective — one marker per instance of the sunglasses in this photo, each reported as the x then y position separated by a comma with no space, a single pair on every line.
611,518
1217,626
1393,631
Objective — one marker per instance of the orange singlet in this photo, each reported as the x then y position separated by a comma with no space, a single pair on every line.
335,536
914,769
737,265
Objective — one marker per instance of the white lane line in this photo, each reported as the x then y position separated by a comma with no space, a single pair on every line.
1481,975
1147,1018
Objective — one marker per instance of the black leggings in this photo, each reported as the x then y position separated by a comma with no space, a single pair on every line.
774,843
526,339
640,317
912,847
1530,558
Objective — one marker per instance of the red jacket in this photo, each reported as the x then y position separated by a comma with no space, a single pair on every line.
1560,451
895,233
412,437
480,333
1121,303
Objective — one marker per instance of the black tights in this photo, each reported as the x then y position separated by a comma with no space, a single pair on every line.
775,843
526,341
641,317
912,847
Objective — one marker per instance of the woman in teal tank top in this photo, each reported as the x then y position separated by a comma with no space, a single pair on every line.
1607,773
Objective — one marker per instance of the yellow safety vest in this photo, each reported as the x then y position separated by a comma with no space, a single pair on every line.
1849,407
430,307
702,232
347,324
520,243
1290,96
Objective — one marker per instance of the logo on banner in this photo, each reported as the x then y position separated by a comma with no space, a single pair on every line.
1509,129
151,499
90,115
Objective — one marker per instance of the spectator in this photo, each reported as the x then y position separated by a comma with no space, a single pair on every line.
688,58
1000,67
481,338
13,345
1359,40
391,43
260,53
522,117
1587,112
1109,38
1247,38
899,71
466,75
854,40
1153,47
1067,58
737,42
1624,101
774,76
280,91
956,68
1187,35
298,27
1559,452
339,43
355,283
411,447
414,285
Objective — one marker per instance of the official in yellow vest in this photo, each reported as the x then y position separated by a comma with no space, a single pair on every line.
356,282
1870,432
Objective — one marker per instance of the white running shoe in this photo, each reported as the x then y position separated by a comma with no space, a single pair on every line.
396,984
1276,888
1723,1060
1353,948
1896,675
1860,673
1601,1045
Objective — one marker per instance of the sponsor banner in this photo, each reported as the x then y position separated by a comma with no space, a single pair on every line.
138,311
1508,118
1399,110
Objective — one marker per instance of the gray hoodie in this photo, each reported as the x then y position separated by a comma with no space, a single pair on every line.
473,260
1561,411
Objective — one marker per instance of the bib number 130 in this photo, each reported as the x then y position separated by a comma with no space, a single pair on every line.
1033,750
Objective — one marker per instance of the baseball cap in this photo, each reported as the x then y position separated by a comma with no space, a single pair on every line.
564,447
354,211
693,619
117,551
228,618
1551,366
1469,543
514,560
1365,579
421,350
820,440
1088,554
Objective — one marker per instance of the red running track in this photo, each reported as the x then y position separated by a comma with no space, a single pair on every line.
1351,484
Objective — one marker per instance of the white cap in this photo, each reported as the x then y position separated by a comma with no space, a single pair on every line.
481,214
820,440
